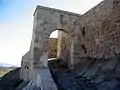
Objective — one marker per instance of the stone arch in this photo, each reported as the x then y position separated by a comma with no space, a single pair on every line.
63,46
42,51
47,20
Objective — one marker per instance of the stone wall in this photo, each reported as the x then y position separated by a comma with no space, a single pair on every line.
25,65
52,47
64,47
99,32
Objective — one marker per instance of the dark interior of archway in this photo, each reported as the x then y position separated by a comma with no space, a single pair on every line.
84,48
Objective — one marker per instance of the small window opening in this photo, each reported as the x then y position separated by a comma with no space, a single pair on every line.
36,40
83,31
116,2
84,48
61,18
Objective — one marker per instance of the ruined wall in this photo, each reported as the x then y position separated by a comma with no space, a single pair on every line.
25,66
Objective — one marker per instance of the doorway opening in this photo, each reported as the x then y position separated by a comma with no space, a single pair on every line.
53,45
59,46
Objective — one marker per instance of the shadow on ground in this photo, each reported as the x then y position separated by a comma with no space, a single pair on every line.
91,74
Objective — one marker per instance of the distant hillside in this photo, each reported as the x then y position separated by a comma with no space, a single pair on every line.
5,68
6,65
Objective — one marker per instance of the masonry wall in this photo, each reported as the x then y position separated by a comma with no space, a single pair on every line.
25,66
64,47
99,32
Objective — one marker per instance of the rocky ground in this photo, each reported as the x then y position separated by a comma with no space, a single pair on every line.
91,74
12,81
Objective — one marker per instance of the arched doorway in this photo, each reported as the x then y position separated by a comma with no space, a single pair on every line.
53,45
59,46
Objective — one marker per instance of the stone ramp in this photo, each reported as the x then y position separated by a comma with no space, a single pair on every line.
47,80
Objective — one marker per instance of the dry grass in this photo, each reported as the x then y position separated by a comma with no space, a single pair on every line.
3,71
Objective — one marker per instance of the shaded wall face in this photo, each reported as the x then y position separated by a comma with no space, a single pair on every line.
26,66
99,32
64,47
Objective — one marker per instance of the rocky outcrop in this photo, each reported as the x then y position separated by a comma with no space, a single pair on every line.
91,74
11,80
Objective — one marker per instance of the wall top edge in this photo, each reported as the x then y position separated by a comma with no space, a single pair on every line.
55,10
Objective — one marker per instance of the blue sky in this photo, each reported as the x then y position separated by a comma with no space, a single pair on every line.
16,23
